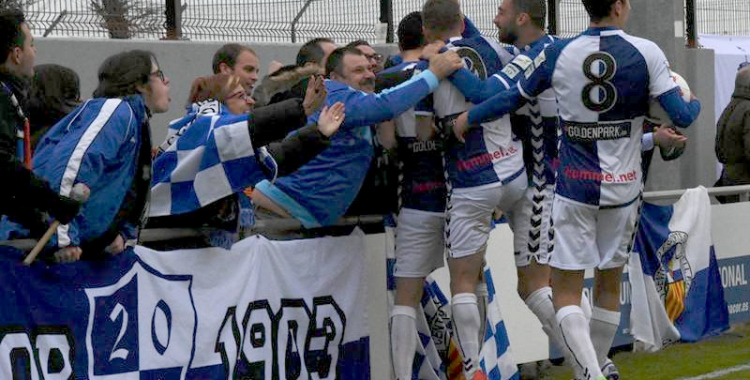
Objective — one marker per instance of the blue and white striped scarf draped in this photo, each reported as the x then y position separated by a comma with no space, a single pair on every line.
207,155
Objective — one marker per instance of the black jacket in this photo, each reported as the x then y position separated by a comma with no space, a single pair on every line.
23,196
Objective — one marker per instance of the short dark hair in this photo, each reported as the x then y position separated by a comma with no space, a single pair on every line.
55,92
121,73
356,43
312,52
598,9
11,35
336,59
409,32
536,9
228,54
441,15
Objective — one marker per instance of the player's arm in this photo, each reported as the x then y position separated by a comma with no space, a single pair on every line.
364,109
662,87
386,133
476,90
537,80
470,30
680,112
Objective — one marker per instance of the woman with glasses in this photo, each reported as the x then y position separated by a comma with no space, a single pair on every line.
105,144
258,149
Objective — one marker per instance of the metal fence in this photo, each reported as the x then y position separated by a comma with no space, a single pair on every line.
299,20
730,17
222,20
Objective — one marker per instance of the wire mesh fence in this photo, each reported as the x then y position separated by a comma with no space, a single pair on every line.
729,17
300,20
572,18
224,20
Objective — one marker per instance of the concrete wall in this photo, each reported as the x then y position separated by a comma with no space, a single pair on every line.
663,22
182,61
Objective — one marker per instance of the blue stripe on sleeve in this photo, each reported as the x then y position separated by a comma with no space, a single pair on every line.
682,114
497,106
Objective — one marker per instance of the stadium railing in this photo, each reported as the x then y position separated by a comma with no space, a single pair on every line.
163,234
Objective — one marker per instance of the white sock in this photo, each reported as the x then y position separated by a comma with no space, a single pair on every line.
540,303
586,306
575,332
603,325
403,340
466,325
482,300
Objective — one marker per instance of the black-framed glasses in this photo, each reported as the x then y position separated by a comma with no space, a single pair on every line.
743,65
159,74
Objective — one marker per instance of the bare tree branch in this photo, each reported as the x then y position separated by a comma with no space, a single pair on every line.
126,18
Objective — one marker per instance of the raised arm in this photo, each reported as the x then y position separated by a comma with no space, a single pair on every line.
364,109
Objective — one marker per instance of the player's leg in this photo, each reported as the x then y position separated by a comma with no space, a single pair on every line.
419,251
615,232
530,219
467,233
575,250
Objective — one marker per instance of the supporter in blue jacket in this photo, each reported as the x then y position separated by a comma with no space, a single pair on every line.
321,191
105,144
218,132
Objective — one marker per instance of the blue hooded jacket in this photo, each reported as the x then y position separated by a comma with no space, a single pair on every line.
321,191
98,145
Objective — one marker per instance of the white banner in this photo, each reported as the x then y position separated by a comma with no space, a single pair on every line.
293,309
264,310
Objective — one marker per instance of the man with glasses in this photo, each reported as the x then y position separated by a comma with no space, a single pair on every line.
375,58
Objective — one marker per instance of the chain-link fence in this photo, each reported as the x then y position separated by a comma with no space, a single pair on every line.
572,18
225,20
300,20
730,17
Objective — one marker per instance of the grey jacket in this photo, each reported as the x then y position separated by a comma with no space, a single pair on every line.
733,136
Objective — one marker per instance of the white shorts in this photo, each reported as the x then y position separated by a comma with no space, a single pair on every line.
588,236
420,244
470,213
530,219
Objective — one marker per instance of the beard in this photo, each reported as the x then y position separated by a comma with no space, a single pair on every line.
507,36
367,85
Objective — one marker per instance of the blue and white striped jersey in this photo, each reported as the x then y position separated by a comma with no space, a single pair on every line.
422,182
602,80
491,153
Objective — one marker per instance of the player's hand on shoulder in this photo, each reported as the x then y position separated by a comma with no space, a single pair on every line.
445,64
432,49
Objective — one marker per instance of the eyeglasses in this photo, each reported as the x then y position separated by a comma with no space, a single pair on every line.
159,74
377,57
743,65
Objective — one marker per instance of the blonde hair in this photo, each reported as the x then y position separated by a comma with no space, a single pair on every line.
217,87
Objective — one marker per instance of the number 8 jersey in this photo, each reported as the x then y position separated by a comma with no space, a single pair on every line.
602,81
